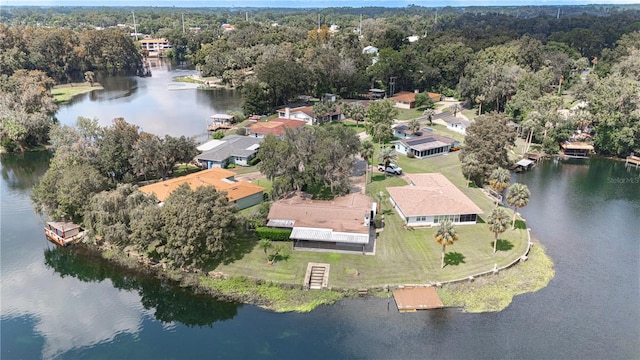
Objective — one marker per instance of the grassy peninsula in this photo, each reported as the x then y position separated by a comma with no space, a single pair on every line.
62,94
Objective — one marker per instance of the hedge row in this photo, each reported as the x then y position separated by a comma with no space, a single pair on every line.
273,234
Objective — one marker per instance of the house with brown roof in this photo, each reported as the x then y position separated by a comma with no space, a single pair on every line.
343,224
407,99
244,194
422,144
430,199
274,127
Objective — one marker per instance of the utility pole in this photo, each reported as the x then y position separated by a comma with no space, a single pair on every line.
135,27
360,27
246,16
183,23
392,85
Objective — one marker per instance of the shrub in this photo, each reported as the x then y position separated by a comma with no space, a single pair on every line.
411,155
218,135
253,161
273,234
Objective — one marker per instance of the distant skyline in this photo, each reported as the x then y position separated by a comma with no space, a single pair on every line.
309,3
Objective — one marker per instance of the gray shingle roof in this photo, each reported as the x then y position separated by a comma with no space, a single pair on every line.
232,145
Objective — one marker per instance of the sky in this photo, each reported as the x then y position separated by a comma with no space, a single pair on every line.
304,3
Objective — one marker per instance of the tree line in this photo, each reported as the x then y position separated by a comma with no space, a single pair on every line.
65,55
89,159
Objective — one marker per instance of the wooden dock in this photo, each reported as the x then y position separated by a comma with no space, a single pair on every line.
632,160
411,299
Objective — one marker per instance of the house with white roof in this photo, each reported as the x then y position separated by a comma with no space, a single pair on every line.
430,199
458,125
422,144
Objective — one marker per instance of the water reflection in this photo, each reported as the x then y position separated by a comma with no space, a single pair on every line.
22,171
168,303
157,104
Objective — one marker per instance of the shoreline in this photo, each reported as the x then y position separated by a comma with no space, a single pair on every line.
489,293
64,93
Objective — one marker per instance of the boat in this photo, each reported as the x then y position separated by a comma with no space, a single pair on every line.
63,233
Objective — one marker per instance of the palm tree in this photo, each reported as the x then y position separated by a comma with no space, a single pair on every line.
498,222
480,99
455,108
357,113
429,115
414,125
445,235
518,197
265,244
366,151
471,168
499,180
386,156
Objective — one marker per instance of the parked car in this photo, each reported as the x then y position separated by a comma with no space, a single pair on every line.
391,169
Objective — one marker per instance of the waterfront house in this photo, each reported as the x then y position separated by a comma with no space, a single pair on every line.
63,233
431,198
274,127
232,149
244,194
343,224
422,144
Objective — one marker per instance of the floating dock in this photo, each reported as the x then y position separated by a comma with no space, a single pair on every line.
411,299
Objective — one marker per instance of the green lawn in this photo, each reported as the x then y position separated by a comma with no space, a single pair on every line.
402,256
64,93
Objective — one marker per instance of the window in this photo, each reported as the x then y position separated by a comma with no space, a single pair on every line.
421,218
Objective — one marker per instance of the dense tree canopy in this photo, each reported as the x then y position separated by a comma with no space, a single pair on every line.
308,157
488,140
26,109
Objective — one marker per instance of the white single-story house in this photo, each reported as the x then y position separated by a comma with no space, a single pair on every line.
424,144
344,224
458,125
232,149
430,199
305,113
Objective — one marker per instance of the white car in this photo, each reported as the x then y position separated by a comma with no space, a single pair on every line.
391,169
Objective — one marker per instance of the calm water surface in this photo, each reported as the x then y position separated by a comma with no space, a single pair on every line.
157,104
62,303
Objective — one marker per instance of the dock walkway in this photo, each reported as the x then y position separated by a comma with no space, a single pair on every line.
411,299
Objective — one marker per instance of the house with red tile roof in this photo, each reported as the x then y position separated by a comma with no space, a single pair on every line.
407,99
430,199
274,127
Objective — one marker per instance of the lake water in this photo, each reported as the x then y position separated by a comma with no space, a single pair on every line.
157,104
62,303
